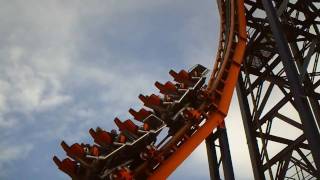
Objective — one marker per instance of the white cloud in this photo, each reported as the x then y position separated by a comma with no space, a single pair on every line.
53,101
14,152
10,153
35,55
38,65
7,122
42,67
3,87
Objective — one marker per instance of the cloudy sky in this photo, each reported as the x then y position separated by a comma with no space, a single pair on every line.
67,66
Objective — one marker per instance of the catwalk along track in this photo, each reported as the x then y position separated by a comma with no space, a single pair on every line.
268,51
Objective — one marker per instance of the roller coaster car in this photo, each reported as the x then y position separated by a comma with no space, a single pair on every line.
117,155
192,84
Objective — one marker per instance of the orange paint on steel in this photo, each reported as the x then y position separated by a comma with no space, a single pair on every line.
217,117
169,165
220,47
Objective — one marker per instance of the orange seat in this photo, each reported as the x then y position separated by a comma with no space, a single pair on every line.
181,77
168,88
141,115
131,126
101,137
127,125
75,151
67,165
120,124
151,101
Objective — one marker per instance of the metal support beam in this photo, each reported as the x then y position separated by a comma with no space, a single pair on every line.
225,154
307,81
300,99
212,157
250,132
284,168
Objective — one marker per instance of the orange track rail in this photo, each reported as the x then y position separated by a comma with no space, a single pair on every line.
223,80
168,157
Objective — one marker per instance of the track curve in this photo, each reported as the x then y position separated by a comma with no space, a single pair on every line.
222,82
189,109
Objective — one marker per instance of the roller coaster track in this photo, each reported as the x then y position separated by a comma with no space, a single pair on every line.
252,43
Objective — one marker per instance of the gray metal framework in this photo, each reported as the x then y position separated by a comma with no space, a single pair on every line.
278,88
219,153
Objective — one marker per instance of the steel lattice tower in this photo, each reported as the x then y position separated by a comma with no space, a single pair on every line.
278,88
